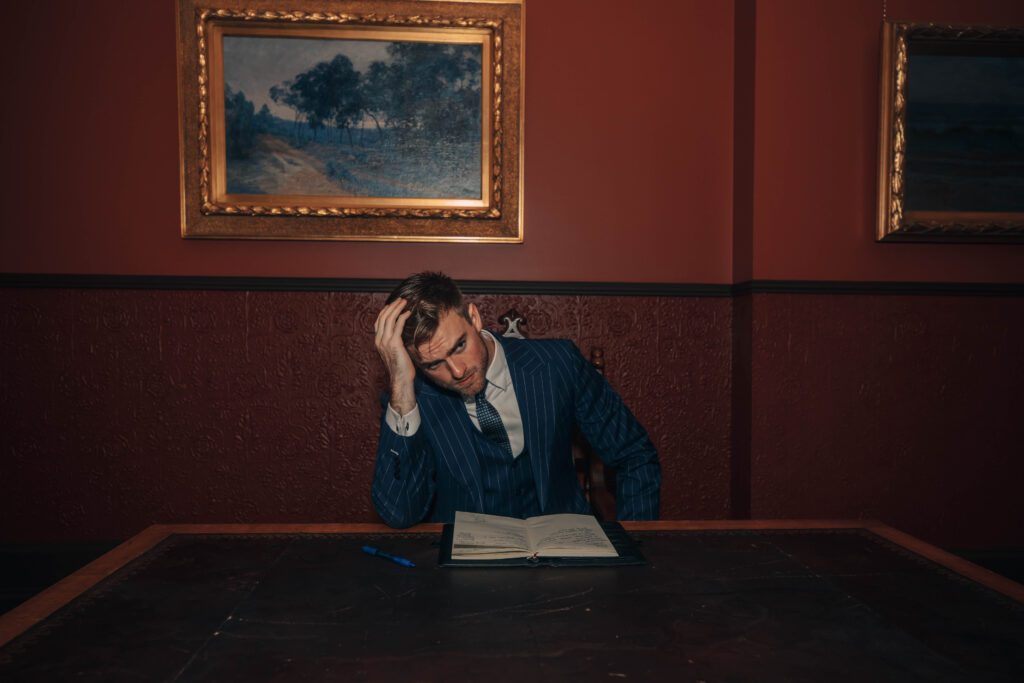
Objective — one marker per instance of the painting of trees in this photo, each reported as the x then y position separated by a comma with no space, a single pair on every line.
426,89
400,118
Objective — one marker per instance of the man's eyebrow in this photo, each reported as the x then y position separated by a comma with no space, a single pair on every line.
458,342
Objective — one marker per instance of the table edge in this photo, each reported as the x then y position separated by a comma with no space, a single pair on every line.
32,611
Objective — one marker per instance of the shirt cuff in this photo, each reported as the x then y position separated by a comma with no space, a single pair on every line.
403,425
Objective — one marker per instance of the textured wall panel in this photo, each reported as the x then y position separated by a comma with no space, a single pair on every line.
123,408
903,409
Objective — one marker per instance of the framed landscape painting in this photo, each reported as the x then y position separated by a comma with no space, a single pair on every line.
394,120
951,141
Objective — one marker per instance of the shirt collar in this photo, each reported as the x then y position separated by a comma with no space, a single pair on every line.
497,372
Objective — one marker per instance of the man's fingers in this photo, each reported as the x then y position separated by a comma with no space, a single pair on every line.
388,331
384,312
399,326
393,329
386,316
379,325
389,322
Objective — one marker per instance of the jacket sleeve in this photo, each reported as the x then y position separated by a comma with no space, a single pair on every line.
403,479
621,442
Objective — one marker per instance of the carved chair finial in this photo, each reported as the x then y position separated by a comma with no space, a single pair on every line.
512,319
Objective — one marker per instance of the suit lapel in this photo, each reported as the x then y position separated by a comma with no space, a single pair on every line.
533,395
453,438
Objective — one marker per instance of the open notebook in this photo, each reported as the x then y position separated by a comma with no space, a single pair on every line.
477,539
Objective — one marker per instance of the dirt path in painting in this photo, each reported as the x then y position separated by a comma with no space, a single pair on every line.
276,167
282,169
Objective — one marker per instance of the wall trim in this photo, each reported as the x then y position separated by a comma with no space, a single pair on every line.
880,287
510,287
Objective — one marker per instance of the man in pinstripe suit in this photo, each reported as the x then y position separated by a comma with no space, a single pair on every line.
484,424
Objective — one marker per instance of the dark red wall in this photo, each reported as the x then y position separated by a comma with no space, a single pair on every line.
629,163
690,142
92,152
816,146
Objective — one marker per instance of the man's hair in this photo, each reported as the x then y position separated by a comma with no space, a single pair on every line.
429,296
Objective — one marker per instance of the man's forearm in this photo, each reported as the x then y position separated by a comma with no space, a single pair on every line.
403,397
403,482
638,486
623,443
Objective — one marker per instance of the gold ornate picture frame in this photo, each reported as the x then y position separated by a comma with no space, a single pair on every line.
385,120
951,134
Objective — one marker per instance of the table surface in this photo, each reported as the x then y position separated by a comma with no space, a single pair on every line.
718,601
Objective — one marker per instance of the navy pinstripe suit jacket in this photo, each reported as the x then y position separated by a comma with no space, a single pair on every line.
434,472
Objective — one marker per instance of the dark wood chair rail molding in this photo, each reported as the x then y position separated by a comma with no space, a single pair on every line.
49,601
683,289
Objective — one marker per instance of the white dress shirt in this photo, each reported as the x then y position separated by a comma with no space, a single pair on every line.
499,392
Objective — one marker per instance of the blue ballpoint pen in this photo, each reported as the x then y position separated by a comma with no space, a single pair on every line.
370,550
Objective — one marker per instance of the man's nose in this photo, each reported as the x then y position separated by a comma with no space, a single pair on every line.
456,369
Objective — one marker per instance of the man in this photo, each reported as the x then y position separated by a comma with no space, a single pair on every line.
484,424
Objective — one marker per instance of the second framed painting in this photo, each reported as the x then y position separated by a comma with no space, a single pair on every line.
393,120
951,134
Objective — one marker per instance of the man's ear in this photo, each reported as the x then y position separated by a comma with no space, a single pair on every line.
474,317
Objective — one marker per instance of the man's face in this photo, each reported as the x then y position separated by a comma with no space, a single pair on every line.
456,357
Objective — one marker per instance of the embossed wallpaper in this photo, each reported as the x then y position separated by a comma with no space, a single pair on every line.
123,408
905,409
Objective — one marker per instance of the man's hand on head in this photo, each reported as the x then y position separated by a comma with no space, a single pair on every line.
401,370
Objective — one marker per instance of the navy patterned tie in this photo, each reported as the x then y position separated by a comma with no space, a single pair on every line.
491,425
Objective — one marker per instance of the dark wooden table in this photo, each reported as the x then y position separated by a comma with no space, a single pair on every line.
718,601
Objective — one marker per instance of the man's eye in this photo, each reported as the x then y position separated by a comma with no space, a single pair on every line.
461,345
